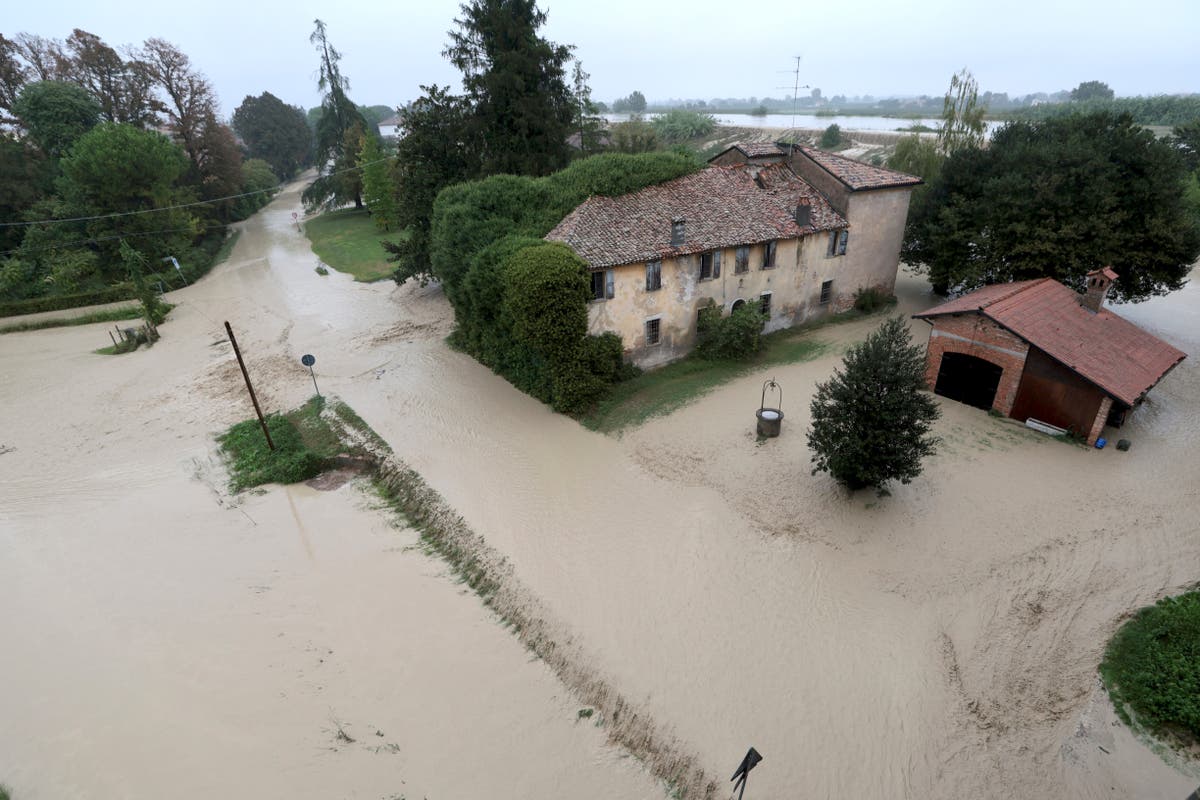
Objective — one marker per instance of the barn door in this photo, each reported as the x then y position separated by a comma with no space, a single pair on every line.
968,379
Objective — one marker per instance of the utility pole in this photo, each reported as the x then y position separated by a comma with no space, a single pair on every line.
253,399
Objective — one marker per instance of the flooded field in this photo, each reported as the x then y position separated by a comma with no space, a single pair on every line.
165,639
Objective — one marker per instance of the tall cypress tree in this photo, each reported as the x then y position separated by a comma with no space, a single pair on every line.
522,107
338,130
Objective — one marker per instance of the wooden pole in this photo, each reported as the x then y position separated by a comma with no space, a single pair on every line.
237,352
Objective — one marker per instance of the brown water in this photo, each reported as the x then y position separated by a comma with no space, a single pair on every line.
938,643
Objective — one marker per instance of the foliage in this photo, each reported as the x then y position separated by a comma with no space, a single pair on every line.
433,152
588,124
871,421
521,108
733,337
252,463
152,308
36,305
340,130
917,155
26,177
759,111
832,137
275,132
634,136
635,103
1092,90
56,114
962,115
109,315
348,241
869,299
1058,198
123,88
1152,666
1155,110
257,177
379,192
1186,140
680,125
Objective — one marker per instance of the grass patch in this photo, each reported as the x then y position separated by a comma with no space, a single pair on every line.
108,315
304,445
1152,669
348,241
660,391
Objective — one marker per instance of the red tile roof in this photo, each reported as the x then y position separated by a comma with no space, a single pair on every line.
754,149
721,206
1111,352
855,174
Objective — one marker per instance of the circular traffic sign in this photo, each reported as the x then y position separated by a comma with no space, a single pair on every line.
307,360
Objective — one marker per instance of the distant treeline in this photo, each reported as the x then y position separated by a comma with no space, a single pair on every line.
1160,109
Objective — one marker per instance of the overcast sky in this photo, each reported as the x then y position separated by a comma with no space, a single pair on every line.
672,48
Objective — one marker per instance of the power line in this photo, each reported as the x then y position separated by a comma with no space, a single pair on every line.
179,206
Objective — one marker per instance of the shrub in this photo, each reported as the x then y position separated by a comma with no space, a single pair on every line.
1152,666
869,298
679,125
252,463
734,337
832,137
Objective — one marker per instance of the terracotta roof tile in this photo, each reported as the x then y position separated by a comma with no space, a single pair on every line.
1111,352
722,207
855,174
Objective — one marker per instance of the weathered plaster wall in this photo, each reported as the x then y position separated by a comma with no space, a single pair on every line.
876,232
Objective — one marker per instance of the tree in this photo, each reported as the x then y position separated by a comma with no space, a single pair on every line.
1186,140
434,151
678,126
962,114
25,178
832,137
13,73
275,132
918,156
189,103
1092,90
634,136
588,124
637,102
122,88
1058,198
379,192
56,114
515,81
339,128
871,422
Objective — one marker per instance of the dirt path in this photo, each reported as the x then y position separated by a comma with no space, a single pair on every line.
938,643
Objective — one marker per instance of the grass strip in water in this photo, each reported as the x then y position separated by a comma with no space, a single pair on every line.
129,312
348,241
660,391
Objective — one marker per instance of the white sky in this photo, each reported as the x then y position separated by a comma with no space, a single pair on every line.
672,48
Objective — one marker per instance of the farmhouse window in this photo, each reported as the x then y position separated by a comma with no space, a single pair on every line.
769,255
653,276
602,285
826,292
710,265
741,259
766,304
653,331
837,242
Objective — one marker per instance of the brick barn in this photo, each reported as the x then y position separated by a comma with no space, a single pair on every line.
1038,349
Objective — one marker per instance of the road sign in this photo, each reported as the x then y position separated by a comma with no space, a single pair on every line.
307,360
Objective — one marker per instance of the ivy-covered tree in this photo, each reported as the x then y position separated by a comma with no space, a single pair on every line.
872,421
340,127
275,132
1058,198
521,105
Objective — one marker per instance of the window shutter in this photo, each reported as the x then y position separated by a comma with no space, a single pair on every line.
716,263
608,284
845,235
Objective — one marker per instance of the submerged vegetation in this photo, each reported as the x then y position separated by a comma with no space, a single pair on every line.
1152,669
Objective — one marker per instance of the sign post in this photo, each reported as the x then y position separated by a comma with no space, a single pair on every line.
178,268
308,361
743,771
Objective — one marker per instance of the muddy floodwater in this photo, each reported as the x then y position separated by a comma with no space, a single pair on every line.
162,638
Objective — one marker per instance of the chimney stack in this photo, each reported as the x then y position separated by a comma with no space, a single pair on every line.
803,212
1098,281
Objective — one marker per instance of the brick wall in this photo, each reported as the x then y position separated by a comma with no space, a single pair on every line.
976,335
1101,418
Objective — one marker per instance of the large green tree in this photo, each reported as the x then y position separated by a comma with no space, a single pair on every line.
275,132
55,114
379,191
1092,90
340,127
1058,198
872,422
515,80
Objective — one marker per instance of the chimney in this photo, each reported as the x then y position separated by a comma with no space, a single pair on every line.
803,212
677,232
1098,281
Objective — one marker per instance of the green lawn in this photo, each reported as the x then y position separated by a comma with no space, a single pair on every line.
348,241
660,391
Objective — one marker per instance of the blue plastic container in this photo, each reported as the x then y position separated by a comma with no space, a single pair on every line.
1101,442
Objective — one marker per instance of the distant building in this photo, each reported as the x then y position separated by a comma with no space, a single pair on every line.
796,232
1039,349
390,128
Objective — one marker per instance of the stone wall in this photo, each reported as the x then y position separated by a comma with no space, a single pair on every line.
976,335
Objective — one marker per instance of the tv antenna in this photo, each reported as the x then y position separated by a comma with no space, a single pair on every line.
796,87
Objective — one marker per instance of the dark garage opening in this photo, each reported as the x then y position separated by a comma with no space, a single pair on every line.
968,379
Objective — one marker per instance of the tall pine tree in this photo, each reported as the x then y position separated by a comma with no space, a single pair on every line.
339,127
